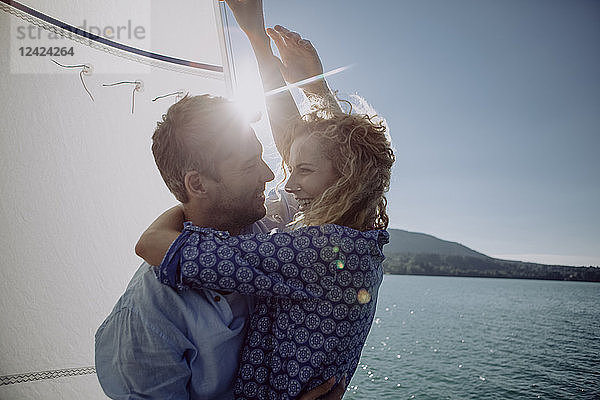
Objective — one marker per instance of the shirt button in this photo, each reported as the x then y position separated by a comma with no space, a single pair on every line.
217,298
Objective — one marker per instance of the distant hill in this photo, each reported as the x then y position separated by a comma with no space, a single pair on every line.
412,253
418,243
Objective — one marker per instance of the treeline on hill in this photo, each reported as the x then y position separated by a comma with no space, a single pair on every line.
452,265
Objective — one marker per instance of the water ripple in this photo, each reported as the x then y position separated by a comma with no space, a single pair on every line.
473,338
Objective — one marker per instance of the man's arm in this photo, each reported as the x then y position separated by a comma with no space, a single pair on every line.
325,391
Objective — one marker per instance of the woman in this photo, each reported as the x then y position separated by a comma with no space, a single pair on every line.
316,286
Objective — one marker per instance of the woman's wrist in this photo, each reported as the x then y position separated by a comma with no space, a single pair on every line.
317,87
260,42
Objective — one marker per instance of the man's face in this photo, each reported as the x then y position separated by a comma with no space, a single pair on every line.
238,197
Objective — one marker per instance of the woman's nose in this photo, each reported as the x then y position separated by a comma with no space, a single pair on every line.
291,186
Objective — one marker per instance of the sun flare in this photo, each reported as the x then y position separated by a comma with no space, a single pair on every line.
249,98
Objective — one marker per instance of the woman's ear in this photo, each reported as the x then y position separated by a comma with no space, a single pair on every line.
194,184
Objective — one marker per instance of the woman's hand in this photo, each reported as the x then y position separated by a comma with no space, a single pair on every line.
324,391
156,240
299,59
249,16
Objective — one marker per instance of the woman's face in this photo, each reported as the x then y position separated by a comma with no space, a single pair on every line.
311,172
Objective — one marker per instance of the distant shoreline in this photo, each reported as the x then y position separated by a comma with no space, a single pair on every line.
496,277
431,264
414,253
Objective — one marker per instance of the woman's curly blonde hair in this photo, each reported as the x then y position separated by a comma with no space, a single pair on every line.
362,156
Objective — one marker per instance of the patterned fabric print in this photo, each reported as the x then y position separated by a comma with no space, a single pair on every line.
317,289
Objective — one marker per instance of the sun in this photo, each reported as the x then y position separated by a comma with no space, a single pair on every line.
248,95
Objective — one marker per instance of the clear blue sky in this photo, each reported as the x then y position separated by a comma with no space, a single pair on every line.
493,108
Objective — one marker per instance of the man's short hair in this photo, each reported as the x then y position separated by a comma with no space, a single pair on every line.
188,139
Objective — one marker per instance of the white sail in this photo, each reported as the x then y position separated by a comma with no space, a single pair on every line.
77,176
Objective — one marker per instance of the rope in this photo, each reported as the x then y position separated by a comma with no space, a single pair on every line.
118,49
37,376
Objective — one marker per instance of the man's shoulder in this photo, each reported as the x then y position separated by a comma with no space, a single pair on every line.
145,289
148,309
169,313
149,299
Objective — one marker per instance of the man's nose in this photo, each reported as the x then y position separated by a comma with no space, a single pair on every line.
268,174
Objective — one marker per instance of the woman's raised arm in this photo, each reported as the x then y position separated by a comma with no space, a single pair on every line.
281,106
299,61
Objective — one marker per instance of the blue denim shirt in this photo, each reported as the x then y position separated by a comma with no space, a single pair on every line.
160,344
164,345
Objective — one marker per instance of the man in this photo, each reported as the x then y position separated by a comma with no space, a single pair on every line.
161,344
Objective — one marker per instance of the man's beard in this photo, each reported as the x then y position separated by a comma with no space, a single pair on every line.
233,213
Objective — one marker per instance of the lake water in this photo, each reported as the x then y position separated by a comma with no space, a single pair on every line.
479,338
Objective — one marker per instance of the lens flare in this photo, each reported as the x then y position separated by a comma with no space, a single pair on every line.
248,105
248,94
363,296
308,80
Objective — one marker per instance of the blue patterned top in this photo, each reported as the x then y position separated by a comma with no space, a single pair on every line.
316,290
